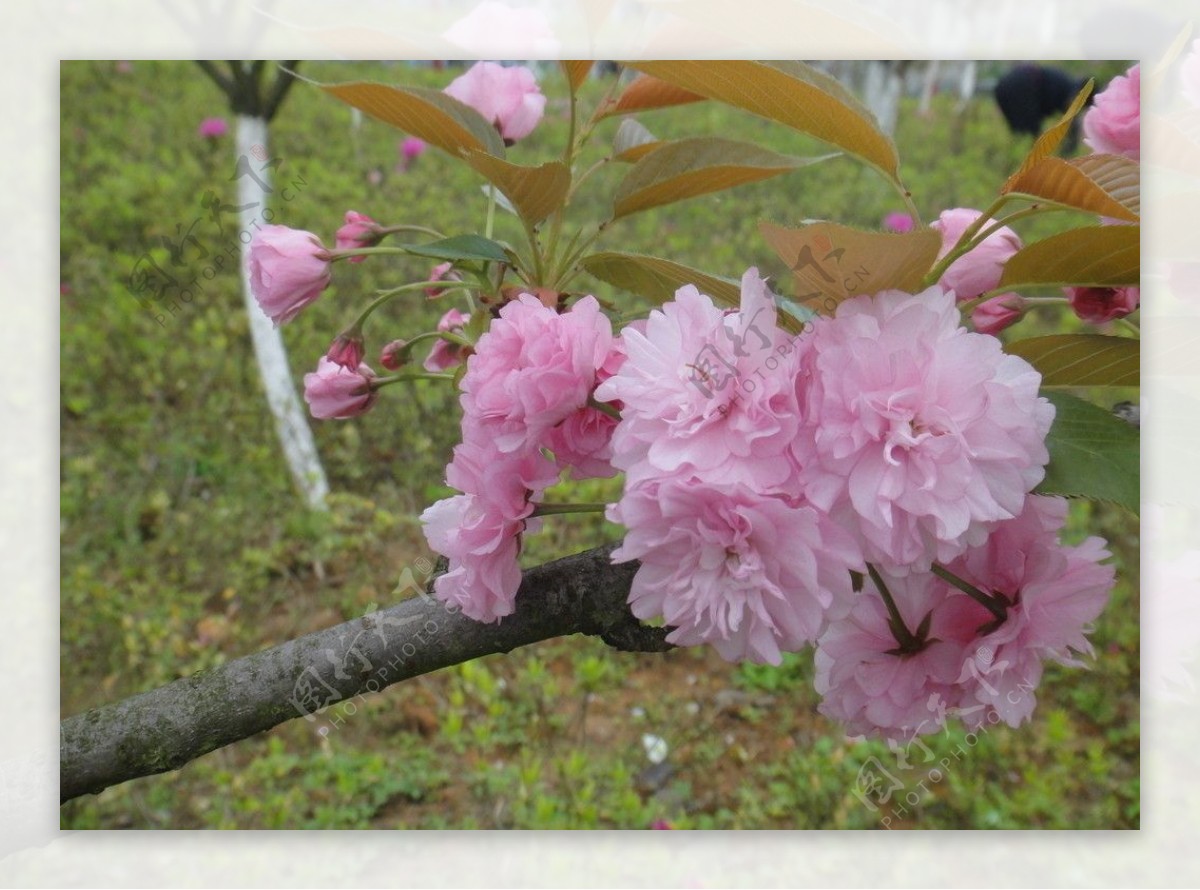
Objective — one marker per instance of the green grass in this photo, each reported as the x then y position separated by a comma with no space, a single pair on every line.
183,544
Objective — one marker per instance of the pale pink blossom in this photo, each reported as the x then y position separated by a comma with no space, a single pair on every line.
994,315
337,393
708,391
508,97
979,269
1052,594
724,565
358,230
445,354
916,433
1113,123
870,686
288,270
523,31
1098,305
532,369
583,442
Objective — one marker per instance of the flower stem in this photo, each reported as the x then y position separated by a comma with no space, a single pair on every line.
553,509
994,604
422,230
903,636
604,408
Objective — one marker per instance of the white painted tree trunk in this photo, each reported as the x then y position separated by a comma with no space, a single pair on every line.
291,420
882,90
966,86
929,87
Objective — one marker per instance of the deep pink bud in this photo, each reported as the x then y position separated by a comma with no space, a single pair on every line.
288,270
441,272
994,315
359,230
1098,305
393,357
347,350
337,393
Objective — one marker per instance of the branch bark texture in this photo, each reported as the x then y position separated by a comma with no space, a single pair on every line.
161,730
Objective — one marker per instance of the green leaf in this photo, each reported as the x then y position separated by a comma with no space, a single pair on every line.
658,279
1046,144
1093,454
534,192
1108,185
633,141
644,93
429,114
1082,359
576,72
790,93
1096,256
687,168
832,263
460,247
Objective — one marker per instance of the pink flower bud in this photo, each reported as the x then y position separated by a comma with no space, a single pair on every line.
337,393
978,270
288,270
898,222
347,350
393,356
213,128
441,272
994,315
444,354
508,97
359,230
1098,305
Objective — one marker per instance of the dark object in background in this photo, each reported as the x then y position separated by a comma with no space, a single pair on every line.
1028,94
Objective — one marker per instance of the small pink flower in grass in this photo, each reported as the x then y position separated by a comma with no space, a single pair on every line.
1113,124
534,368
508,97
916,433
337,393
358,230
124,67
1097,305
978,270
444,354
213,128
898,222
411,148
994,315
661,825
441,272
724,565
288,270
708,390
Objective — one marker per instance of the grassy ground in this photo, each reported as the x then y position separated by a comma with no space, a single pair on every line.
183,544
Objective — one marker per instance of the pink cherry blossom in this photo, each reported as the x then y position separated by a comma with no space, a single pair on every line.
978,270
288,270
873,689
994,315
507,97
358,230
724,565
213,128
534,368
441,272
708,391
1053,593
1113,123
916,434
583,442
1098,305
337,393
445,354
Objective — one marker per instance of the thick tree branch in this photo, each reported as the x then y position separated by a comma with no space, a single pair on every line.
165,728
284,78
